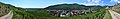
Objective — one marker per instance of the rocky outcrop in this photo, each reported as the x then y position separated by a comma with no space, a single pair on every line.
3,10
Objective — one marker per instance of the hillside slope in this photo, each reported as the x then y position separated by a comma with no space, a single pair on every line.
72,7
117,7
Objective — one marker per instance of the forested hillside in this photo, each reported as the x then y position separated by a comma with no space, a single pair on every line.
18,13
74,6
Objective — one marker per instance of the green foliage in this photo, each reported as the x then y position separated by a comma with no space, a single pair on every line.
18,13
40,13
118,11
25,15
97,15
70,7
43,14
108,15
16,16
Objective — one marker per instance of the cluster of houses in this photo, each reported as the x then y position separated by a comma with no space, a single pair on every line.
66,13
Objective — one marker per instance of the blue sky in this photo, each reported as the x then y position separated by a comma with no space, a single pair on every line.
46,3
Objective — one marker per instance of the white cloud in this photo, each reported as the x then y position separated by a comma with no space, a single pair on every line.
102,1
115,1
88,0
91,2
118,1
96,1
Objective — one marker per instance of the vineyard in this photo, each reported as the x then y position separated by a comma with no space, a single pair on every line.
43,14
97,15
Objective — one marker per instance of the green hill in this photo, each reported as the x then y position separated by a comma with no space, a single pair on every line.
74,6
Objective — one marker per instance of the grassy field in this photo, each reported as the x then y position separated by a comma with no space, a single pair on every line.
117,11
107,15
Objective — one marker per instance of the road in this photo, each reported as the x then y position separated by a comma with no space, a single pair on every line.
8,16
114,15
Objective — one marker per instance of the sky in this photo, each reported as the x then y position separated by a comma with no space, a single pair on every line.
46,3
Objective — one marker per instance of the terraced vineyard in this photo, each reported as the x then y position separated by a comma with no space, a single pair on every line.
20,13
96,15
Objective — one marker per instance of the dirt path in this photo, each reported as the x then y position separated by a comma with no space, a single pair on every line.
8,16
114,15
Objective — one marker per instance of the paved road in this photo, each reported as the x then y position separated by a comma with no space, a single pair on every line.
8,16
114,15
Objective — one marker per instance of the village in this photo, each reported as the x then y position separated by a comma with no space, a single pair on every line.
67,13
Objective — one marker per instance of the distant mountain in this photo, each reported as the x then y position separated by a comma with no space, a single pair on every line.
34,8
71,7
